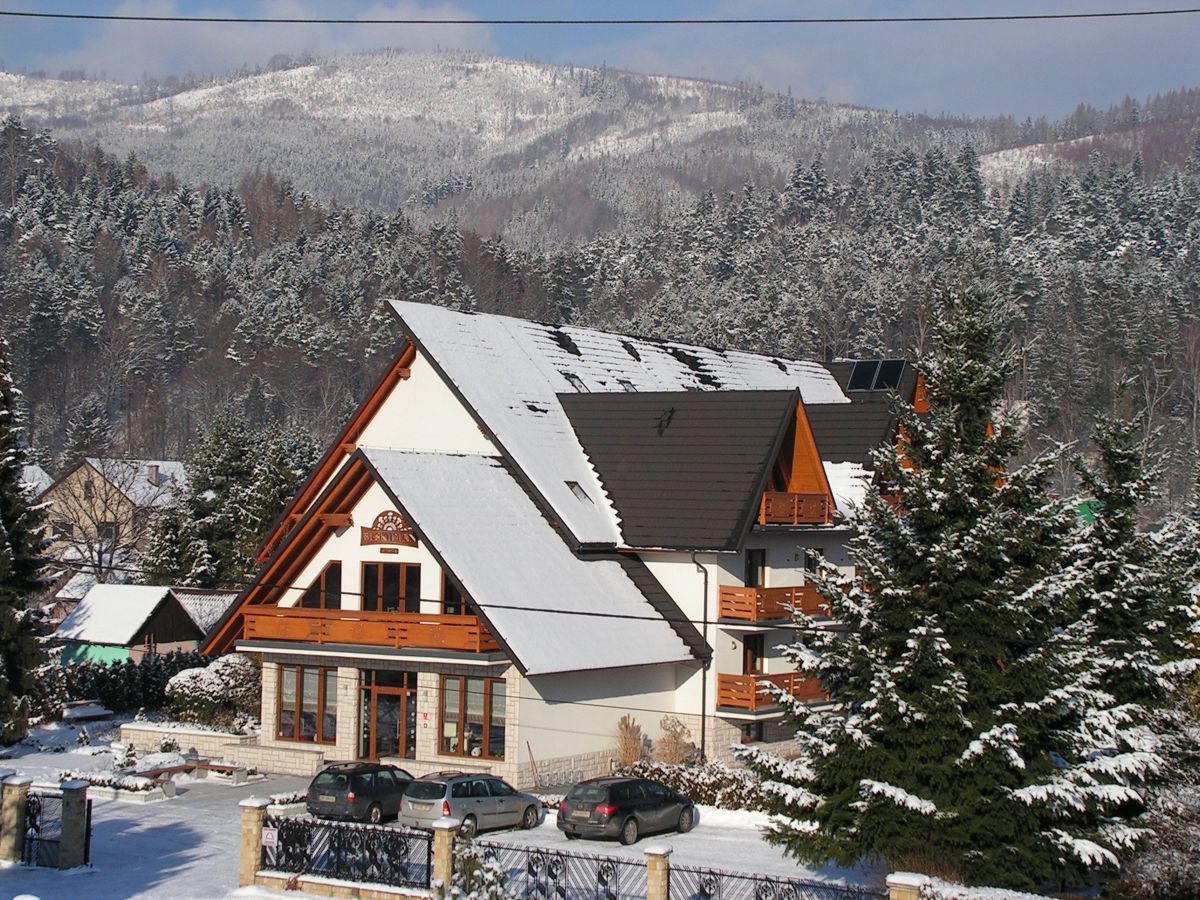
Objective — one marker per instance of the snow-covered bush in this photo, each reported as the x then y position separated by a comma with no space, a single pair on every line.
476,877
105,779
715,784
124,756
224,694
286,797
119,686
1167,867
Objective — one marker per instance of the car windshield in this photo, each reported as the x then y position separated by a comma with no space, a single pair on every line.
425,790
330,781
588,793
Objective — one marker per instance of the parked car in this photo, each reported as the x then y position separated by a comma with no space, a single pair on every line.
624,808
369,792
479,801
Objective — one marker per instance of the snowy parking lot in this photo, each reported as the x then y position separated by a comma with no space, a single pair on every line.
187,848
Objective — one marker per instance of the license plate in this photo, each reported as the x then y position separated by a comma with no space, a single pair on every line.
422,806
578,814
327,798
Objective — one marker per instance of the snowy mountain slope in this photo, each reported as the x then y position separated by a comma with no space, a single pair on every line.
544,153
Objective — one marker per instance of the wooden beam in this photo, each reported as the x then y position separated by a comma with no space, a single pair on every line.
336,520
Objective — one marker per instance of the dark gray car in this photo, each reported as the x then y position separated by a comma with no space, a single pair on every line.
368,792
478,801
623,808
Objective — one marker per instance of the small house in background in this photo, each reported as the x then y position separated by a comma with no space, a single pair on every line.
119,622
35,480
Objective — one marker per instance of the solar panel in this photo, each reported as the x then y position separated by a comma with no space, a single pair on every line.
888,378
863,375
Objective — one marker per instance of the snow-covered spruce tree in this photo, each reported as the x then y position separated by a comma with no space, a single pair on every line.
957,702
20,544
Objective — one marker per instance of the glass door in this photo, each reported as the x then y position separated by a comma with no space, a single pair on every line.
389,715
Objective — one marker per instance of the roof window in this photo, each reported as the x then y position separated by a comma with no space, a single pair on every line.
876,375
580,493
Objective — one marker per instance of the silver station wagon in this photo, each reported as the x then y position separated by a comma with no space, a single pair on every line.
480,802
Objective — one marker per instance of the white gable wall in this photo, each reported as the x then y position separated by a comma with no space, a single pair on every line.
422,413
345,544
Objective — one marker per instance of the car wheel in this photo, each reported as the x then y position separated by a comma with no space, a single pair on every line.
571,836
687,818
468,828
530,818
629,832
374,813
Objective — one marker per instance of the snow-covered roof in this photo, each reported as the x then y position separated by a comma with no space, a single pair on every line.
509,371
554,611
76,587
849,482
146,482
205,607
35,479
111,613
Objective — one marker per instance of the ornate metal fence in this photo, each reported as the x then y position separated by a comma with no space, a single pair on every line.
538,872
693,883
399,857
43,828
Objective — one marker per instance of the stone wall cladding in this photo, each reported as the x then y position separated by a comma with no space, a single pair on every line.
564,771
277,760
147,738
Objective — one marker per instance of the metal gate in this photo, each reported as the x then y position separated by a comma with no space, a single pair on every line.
43,829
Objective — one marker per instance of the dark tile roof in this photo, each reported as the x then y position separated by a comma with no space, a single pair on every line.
848,432
684,470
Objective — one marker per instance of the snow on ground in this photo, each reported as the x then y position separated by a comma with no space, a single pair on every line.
721,839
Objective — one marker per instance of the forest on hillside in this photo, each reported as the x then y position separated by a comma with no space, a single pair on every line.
137,306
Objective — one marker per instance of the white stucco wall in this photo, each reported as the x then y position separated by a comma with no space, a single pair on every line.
345,544
422,413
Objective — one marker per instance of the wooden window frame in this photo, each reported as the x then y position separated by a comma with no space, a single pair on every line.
461,719
403,599
321,587
319,736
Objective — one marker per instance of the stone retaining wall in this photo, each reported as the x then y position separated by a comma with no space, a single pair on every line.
276,760
565,770
146,738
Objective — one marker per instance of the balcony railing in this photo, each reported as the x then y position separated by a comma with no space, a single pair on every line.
783,508
372,629
752,692
757,604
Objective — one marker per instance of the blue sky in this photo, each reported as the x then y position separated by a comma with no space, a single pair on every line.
1022,69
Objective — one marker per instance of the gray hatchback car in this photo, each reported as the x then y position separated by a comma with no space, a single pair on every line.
479,801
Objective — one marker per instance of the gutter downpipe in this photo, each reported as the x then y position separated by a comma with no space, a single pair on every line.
706,665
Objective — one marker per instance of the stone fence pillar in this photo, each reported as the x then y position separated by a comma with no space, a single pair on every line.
254,812
445,831
12,817
74,825
905,885
658,872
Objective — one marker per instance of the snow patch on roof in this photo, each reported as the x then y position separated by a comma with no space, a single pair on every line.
509,371
555,611
146,482
34,479
111,613
205,607
849,482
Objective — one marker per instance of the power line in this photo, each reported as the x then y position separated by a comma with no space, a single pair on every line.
790,20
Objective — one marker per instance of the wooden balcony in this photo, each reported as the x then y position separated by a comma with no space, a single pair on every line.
370,629
749,692
783,508
751,604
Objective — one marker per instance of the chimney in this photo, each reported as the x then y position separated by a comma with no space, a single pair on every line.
152,473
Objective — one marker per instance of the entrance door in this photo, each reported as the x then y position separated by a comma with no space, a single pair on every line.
389,715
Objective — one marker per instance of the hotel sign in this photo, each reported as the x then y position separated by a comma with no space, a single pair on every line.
388,528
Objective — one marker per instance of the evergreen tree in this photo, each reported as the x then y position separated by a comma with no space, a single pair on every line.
20,544
953,745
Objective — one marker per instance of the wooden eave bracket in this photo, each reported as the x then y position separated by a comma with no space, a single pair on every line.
336,520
